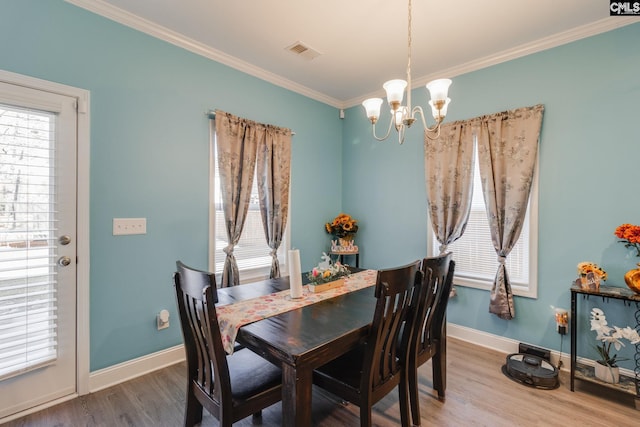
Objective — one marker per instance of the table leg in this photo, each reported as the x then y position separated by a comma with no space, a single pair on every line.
574,336
296,396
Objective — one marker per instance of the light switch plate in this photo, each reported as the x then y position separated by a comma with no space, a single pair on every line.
124,226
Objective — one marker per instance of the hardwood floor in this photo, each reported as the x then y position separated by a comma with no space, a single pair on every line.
478,394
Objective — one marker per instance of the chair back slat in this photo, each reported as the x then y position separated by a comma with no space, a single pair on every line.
196,294
395,289
433,307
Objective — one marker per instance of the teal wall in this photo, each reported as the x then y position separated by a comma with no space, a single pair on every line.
149,158
588,183
149,148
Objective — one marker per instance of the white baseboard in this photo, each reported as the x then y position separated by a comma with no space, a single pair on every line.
508,346
130,369
502,344
125,371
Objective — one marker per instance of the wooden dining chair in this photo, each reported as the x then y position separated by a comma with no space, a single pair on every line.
366,374
430,337
230,387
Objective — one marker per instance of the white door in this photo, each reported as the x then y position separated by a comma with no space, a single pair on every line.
38,149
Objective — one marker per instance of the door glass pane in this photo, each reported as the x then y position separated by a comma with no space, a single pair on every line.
27,218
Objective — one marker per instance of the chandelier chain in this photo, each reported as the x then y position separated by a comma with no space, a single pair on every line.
409,58
402,117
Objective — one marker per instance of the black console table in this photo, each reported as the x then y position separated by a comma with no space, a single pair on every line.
583,372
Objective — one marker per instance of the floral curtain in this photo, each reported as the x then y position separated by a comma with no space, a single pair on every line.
507,154
237,141
448,164
273,173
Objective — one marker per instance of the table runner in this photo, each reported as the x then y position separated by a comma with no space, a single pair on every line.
232,317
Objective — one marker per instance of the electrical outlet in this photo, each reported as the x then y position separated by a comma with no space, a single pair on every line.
162,319
125,226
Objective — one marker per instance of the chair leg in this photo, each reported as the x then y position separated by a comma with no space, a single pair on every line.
365,414
439,369
257,416
405,416
412,385
193,411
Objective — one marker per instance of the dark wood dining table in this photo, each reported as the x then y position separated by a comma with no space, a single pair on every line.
303,339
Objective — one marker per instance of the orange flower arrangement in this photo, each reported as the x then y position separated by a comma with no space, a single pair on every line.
630,235
343,225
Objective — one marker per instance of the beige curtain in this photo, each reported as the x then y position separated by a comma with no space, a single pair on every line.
237,141
448,165
507,153
273,173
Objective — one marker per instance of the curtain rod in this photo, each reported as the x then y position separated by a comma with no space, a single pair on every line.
212,115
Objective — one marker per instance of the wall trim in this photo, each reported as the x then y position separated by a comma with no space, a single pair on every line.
125,371
508,346
83,247
130,20
134,368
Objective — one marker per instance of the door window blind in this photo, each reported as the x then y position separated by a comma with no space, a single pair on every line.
27,215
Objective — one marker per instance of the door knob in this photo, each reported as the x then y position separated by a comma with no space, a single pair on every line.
63,261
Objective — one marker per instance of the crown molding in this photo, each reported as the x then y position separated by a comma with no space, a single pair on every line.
588,30
125,18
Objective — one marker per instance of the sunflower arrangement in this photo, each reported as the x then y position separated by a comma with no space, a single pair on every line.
584,268
342,226
630,236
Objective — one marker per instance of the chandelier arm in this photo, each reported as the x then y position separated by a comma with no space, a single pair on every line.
427,130
373,130
433,138
418,109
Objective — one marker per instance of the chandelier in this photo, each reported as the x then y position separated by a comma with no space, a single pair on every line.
403,117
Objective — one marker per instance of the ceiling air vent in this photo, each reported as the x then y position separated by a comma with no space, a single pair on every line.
303,51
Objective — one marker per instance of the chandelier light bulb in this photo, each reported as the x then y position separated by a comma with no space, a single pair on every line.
395,91
439,89
372,107
439,114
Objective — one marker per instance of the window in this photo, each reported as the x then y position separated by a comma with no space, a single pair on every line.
252,252
27,216
475,257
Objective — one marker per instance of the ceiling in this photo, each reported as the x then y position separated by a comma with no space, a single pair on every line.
362,43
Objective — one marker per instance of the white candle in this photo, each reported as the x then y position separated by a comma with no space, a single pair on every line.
295,275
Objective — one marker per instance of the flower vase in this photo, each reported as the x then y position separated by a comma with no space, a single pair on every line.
345,243
632,279
590,281
346,240
606,373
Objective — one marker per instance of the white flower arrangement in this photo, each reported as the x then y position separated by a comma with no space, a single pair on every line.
326,271
610,336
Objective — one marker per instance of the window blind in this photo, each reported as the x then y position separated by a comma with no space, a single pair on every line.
27,215
252,251
475,256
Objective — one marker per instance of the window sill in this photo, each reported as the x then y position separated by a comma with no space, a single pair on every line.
518,289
